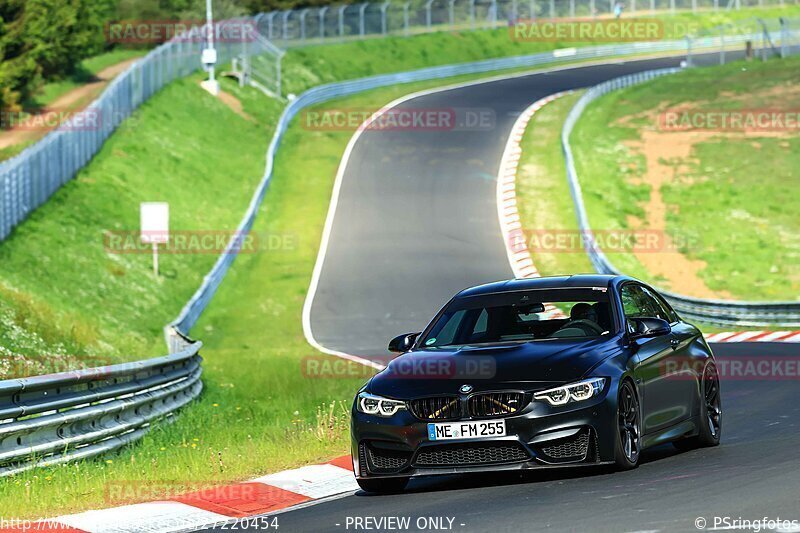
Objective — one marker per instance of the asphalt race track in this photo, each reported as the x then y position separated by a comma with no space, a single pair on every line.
416,222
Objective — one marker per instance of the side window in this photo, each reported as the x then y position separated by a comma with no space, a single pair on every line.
633,302
638,302
667,313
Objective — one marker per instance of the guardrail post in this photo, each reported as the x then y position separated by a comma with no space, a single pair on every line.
321,14
784,37
688,51
384,8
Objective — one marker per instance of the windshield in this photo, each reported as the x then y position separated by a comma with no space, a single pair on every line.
522,316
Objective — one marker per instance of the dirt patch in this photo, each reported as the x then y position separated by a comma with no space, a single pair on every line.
73,100
236,106
669,156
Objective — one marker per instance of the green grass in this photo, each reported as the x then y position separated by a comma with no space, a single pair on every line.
543,196
65,294
736,198
84,73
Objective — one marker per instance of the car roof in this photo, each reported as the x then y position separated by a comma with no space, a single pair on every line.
549,282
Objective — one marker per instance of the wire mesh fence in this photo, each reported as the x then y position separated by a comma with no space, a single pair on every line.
30,178
357,21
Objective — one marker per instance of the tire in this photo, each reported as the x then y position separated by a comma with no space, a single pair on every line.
627,444
388,485
710,429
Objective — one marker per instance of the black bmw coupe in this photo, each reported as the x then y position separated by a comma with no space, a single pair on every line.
537,373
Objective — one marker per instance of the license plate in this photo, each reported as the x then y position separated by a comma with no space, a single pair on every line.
467,430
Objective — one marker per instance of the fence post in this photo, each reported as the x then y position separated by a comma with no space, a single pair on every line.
286,15
341,21
572,9
322,12
384,8
472,14
303,14
653,6
532,8
514,11
270,17
493,15
552,9
694,6
428,14
361,10
672,5
451,12
405,17
721,45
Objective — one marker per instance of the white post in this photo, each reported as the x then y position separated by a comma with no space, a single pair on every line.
428,14
341,21
405,17
451,10
155,258
209,54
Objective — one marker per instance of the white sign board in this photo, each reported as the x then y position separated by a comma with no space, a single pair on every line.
154,221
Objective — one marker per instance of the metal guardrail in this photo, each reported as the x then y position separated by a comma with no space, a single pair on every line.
720,312
56,418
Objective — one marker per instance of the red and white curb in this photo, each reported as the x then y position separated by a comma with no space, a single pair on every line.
213,506
754,336
519,255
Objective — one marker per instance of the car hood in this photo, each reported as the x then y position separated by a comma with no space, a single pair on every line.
525,366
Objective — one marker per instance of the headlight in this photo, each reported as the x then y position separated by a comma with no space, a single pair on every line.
377,405
576,392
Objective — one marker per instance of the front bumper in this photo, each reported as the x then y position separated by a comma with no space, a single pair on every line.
540,436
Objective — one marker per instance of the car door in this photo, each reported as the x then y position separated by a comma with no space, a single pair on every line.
655,356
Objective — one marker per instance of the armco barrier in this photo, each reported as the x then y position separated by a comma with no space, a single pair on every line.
718,312
63,417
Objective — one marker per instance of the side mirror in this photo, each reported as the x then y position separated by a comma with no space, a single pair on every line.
649,327
403,343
